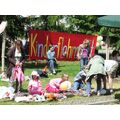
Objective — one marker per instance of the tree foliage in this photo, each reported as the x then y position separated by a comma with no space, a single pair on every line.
85,24
15,27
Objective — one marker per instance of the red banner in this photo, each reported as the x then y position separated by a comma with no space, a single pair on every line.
40,40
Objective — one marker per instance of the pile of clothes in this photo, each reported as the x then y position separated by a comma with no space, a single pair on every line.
7,92
40,98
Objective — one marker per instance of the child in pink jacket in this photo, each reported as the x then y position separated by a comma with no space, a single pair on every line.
35,86
54,84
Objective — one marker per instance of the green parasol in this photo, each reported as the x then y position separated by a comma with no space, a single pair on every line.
110,21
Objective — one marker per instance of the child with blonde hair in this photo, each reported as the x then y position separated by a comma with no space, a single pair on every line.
54,85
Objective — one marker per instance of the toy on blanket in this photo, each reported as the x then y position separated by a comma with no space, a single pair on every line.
39,98
54,96
24,98
7,92
64,86
50,96
29,98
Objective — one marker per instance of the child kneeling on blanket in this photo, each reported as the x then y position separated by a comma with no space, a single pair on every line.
54,84
35,86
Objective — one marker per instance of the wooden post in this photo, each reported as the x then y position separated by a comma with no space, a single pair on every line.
107,47
3,51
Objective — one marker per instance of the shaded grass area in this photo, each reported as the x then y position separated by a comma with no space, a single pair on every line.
70,68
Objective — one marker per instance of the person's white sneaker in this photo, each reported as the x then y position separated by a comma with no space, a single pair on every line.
111,90
54,72
98,93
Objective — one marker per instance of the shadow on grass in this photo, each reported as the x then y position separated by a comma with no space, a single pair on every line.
62,65
6,100
116,90
33,65
117,95
24,90
58,71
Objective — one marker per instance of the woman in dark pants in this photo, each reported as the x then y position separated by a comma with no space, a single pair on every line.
15,56
100,78
96,68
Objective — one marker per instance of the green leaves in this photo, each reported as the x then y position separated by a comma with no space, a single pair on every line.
85,24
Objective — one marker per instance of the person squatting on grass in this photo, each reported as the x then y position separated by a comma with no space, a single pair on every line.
79,80
95,68
83,53
54,85
16,57
51,59
35,86
110,68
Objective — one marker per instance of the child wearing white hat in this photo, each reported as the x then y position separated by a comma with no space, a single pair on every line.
35,86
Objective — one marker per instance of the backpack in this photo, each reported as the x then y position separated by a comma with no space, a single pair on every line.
42,73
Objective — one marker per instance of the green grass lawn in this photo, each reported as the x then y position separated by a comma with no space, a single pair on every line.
70,68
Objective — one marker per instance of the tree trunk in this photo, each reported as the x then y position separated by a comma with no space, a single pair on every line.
3,51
